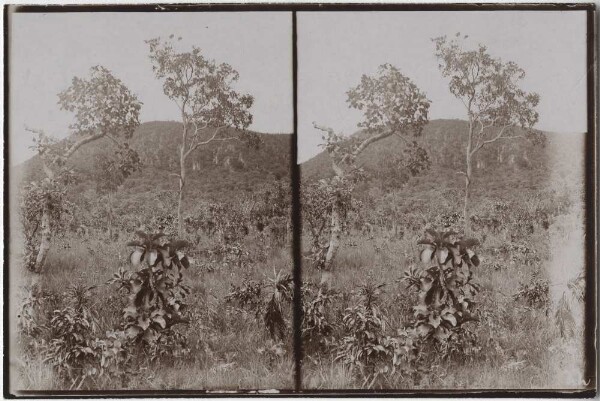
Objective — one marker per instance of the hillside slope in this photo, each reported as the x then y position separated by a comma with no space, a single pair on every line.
499,169
216,171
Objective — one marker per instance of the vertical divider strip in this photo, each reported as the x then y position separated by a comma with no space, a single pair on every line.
296,222
591,212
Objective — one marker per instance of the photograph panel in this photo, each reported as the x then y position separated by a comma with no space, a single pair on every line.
443,199
150,196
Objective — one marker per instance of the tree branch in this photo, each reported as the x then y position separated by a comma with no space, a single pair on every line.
497,137
323,128
82,142
369,141
211,139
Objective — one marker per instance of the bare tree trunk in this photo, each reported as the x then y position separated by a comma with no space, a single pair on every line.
46,239
466,206
336,234
181,188
468,177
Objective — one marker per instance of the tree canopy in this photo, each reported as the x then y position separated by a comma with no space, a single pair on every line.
488,87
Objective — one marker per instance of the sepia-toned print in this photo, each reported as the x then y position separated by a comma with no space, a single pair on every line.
300,199
151,239
443,199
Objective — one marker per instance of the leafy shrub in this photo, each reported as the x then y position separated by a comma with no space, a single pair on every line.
34,312
248,295
281,292
70,345
227,255
49,193
363,327
317,323
273,352
267,299
575,293
318,201
445,290
156,294
535,293
377,356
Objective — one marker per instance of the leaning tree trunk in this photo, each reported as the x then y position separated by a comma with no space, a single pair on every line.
45,241
334,244
336,234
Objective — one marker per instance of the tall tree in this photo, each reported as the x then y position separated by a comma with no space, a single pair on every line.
392,105
203,92
103,107
490,91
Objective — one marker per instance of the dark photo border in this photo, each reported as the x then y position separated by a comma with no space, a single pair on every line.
591,188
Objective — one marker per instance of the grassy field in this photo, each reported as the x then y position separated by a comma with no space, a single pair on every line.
224,342
532,341
529,329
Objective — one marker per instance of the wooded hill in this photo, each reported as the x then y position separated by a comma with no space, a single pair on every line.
502,167
216,171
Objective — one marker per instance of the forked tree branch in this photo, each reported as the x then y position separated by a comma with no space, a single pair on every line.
213,138
500,135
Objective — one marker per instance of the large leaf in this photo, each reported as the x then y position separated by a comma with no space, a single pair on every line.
151,257
165,256
161,321
450,318
456,257
442,255
185,262
136,257
427,254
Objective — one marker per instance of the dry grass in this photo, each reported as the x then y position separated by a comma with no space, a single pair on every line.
522,347
224,341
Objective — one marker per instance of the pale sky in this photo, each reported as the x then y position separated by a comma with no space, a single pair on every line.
336,48
48,50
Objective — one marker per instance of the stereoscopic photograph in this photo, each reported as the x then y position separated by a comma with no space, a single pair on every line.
299,200
150,226
442,159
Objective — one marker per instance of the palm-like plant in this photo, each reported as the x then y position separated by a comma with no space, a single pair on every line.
281,285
